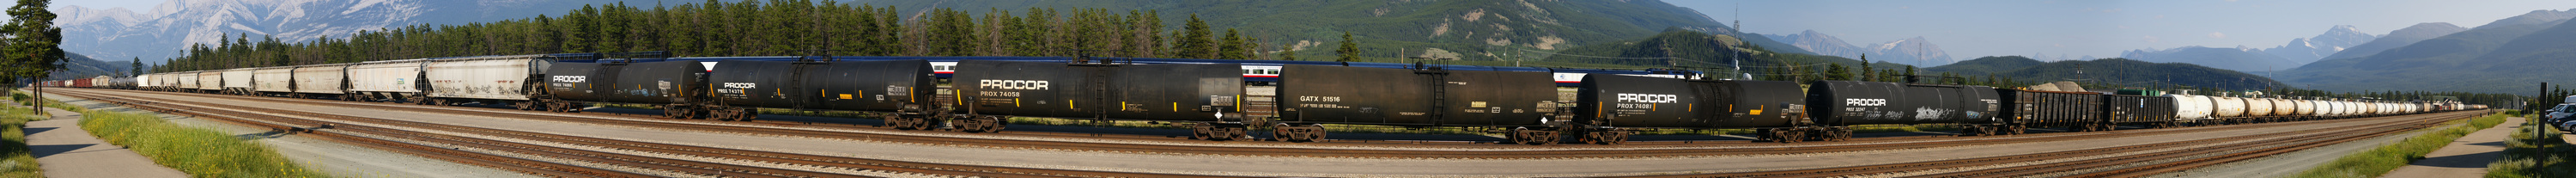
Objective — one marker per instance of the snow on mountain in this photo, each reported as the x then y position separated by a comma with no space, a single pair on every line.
1899,51
167,30
1823,44
1906,51
2306,50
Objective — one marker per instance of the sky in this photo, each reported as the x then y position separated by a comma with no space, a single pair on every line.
1970,29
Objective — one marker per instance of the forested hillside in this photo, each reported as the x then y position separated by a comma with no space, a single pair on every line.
1475,32
758,29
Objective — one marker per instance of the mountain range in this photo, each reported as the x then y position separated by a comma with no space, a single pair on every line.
2108,72
2306,50
2400,37
2300,51
2500,57
163,31
1899,51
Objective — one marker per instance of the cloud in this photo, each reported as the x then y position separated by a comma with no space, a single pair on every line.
2149,38
2217,35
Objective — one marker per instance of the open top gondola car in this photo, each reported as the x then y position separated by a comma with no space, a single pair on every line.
2075,111
1523,102
1844,103
900,86
1608,102
2147,111
1196,93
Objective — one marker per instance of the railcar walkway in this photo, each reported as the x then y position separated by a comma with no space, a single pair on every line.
2465,157
66,150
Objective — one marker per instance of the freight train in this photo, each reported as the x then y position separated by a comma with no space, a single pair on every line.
1229,100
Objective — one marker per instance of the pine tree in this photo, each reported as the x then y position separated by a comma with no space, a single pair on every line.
1288,55
1232,48
34,45
1836,71
1195,44
1350,50
1867,73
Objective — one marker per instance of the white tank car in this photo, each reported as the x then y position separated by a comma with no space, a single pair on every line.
2191,107
2377,108
2338,108
2226,107
2258,107
2283,107
2304,107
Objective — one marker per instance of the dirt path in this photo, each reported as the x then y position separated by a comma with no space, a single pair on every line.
68,151
2465,157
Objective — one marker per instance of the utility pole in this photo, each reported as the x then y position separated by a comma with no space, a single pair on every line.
1668,54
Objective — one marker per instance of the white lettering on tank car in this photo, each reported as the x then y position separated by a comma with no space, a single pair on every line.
570,78
1864,102
741,85
1648,98
1012,84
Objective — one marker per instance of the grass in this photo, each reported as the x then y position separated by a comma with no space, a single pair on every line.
2380,160
25,100
200,152
2535,155
16,160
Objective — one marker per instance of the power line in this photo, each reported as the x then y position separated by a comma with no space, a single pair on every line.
1667,58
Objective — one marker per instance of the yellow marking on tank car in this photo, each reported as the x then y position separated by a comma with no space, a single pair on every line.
1758,110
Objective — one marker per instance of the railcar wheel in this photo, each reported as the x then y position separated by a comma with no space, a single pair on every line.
1841,134
1605,137
980,124
1297,133
1526,136
1201,131
2017,129
1790,136
524,105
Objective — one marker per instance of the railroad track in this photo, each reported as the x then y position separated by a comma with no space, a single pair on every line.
1059,141
2119,161
618,152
